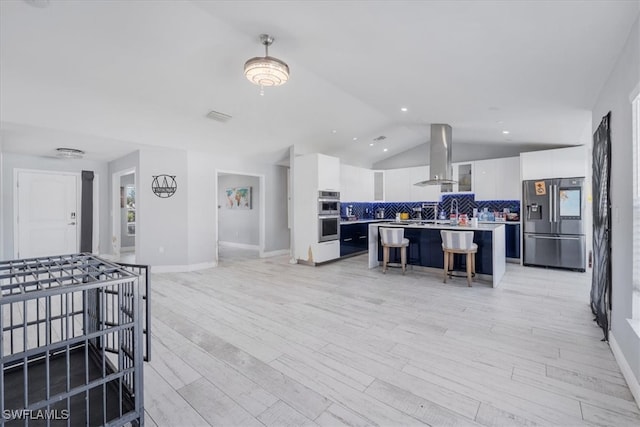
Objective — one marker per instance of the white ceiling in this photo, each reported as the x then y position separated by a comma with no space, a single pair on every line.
108,76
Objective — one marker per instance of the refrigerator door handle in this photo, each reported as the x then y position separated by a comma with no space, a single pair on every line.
533,236
555,203
551,203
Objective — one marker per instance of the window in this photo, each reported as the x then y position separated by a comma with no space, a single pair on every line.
130,205
636,207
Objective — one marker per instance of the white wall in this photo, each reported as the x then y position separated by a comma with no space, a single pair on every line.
11,161
1,201
238,225
162,223
202,210
202,203
614,97
182,225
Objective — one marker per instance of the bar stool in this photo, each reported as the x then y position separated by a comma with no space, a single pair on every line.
459,242
393,238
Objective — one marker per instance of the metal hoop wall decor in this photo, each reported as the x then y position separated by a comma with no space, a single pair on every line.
164,186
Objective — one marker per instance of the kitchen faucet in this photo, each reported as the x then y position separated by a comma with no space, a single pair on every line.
454,205
435,209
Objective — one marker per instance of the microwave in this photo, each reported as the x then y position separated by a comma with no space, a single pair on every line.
328,207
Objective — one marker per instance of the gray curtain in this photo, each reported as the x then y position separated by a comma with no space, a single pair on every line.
601,279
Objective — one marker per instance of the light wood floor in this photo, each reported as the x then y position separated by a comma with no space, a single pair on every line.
262,342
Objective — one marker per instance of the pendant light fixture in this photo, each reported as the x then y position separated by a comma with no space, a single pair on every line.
266,70
69,153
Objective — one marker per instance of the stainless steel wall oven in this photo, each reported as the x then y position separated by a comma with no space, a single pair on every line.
328,216
328,227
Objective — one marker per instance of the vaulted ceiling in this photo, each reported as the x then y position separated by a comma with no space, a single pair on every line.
108,76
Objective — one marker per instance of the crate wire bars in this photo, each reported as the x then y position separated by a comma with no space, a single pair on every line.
71,343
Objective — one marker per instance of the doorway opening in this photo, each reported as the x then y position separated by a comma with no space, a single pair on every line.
240,219
123,229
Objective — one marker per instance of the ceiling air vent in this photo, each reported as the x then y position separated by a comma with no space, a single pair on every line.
379,138
218,116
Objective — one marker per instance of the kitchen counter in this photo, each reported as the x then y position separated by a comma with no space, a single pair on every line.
361,221
425,246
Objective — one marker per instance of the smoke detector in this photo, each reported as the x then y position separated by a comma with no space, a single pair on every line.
69,153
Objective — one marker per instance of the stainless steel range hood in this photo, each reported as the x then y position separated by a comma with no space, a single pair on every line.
440,152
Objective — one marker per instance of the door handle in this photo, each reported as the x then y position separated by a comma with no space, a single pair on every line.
551,203
72,223
348,239
555,203
553,238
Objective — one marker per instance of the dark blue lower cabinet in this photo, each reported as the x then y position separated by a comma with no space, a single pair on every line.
354,238
512,237
425,249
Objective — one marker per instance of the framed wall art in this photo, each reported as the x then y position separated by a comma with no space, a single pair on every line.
238,198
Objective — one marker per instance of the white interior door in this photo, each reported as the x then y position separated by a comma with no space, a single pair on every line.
47,214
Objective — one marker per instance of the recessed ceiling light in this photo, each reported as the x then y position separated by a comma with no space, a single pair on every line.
404,109
355,138
500,122
506,132
385,150
371,144
333,131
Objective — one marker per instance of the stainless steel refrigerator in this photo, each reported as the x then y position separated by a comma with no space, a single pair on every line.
553,223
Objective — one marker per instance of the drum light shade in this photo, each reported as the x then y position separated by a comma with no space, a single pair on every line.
266,70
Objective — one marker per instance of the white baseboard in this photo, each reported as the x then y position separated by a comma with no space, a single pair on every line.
632,381
127,249
182,268
239,245
274,253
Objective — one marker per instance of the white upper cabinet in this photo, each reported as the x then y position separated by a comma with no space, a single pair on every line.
328,172
315,172
397,185
497,179
356,184
485,179
558,163
508,184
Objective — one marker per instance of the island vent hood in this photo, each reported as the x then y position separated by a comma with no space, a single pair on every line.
440,153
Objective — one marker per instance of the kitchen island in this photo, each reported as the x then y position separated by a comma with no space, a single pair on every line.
425,247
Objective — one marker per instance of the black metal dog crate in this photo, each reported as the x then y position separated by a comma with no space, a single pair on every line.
72,346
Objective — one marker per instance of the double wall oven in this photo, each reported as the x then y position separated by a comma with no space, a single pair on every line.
328,216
